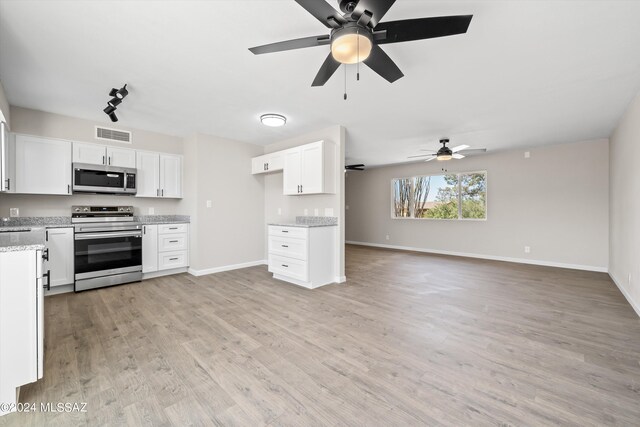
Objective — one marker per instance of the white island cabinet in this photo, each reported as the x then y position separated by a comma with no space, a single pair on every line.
165,249
303,255
21,323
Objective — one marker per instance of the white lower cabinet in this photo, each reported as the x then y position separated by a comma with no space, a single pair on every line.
165,247
303,255
149,248
60,254
21,323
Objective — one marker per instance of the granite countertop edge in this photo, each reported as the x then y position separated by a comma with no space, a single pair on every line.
22,241
293,224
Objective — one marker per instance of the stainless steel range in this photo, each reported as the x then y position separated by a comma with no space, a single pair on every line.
108,246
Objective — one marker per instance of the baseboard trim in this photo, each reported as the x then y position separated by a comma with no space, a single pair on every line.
163,273
488,257
632,303
230,267
340,279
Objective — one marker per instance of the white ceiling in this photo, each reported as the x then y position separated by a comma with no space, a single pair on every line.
526,73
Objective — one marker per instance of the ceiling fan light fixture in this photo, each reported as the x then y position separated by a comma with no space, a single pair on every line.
444,157
273,120
350,45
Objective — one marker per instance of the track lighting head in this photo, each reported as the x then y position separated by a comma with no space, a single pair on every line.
122,92
113,92
110,109
114,102
112,116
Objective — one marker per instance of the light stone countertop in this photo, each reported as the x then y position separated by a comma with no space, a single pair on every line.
295,224
32,240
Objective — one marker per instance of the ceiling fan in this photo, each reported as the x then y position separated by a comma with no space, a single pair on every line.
358,167
446,153
357,33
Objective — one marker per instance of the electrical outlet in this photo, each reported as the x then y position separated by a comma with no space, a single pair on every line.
316,212
527,154
209,204
346,207
328,211
306,212
279,211
14,212
151,211
386,237
527,249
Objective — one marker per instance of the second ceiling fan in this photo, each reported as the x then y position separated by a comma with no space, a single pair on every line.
357,33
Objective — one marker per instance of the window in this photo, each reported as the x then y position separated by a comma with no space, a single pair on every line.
450,196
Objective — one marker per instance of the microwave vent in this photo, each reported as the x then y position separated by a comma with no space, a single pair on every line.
107,134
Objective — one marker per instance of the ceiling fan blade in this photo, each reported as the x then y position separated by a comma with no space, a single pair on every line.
459,148
473,151
377,8
431,158
380,62
420,155
329,67
457,156
423,28
323,12
291,44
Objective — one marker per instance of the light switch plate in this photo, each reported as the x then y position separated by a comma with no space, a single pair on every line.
14,212
151,211
209,204
316,212
279,211
527,154
306,212
328,211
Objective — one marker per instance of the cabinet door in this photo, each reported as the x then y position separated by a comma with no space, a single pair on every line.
59,242
258,165
170,176
291,176
94,154
148,174
275,161
43,166
122,157
149,248
312,164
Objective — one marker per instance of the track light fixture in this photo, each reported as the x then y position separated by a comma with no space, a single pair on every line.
117,95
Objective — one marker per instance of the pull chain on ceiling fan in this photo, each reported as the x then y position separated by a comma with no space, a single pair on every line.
357,33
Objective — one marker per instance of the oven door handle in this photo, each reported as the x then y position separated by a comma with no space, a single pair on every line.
87,236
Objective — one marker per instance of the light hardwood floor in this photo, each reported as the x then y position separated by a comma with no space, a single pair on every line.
410,339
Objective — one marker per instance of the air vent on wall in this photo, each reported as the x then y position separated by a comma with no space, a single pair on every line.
113,135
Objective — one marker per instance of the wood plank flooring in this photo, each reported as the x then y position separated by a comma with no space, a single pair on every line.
410,339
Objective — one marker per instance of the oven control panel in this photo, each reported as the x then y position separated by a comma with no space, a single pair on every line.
101,211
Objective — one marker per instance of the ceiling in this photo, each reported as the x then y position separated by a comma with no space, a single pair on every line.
527,72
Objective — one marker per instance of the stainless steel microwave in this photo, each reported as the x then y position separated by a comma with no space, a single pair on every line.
103,179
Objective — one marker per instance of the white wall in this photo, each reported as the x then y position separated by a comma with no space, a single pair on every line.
231,232
624,205
40,123
292,206
556,202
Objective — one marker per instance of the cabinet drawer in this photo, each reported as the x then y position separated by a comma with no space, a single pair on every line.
172,228
295,232
288,247
169,260
172,242
289,267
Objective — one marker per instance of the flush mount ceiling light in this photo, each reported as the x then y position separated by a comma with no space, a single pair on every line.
273,120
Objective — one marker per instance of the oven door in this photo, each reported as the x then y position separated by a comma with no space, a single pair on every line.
107,253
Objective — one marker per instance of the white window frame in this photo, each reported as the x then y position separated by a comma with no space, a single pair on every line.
486,207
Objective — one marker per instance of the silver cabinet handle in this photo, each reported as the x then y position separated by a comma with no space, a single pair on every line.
285,265
144,229
162,192
285,231
285,246
68,189
173,259
173,241
8,184
104,160
109,159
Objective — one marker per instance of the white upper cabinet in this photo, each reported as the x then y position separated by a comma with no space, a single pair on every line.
97,154
93,154
122,157
43,165
148,174
310,169
291,175
272,162
159,175
170,176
